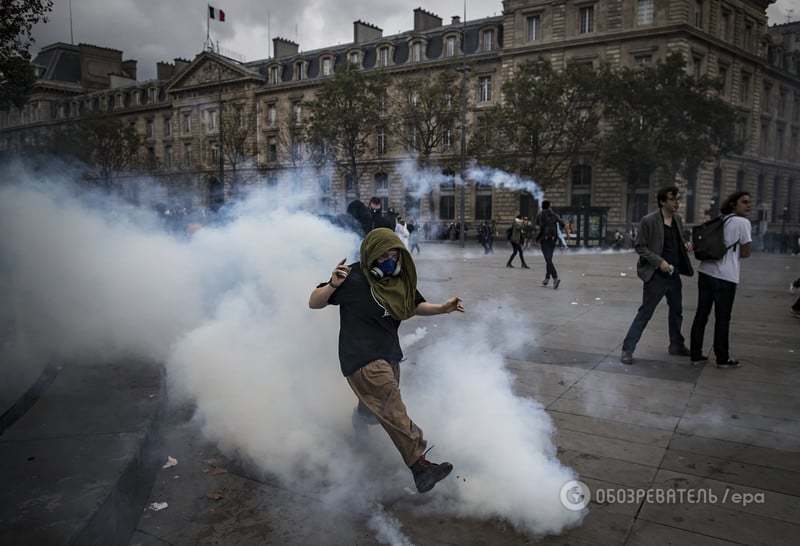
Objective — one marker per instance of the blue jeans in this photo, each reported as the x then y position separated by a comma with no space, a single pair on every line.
656,288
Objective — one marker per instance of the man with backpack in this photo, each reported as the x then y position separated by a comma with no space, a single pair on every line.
662,259
720,244
549,223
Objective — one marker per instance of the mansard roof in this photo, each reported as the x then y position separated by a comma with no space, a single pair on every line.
59,62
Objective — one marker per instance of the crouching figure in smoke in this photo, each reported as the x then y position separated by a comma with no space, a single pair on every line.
374,296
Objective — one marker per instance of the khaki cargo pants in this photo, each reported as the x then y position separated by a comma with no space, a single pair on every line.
377,386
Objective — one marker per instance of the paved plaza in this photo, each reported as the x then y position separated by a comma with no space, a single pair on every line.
660,424
656,426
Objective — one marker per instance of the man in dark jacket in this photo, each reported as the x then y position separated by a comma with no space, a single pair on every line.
663,258
548,222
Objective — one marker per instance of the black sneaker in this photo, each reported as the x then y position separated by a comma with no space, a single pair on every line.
545,282
426,473
525,266
730,363
556,283
509,265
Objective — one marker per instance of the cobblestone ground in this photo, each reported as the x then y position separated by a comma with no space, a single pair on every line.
660,424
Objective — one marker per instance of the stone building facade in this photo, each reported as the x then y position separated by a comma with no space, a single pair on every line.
177,114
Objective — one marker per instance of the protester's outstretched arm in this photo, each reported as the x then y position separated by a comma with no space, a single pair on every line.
426,309
320,296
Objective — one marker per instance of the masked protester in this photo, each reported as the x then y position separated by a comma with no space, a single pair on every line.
374,295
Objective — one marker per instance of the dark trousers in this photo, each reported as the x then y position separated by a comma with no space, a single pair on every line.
548,247
517,249
796,306
656,288
719,294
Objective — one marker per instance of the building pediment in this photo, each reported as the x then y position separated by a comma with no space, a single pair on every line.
209,69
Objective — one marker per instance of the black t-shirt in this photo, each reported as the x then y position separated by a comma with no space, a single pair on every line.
367,331
672,242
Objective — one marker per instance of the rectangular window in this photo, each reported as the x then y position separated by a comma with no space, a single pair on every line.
168,157
450,46
581,190
485,89
187,155
380,143
776,192
186,123
297,150
643,60
534,27
725,26
212,118
765,96
587,19
764,138
744,92
118,101
747,42
483,206
447,207
447,138
272,115
782,103
326,66
274,75
416,52
167,127
644,12
149,128
383,56
214,153
697,66
779,132
487,40
354,58
723,77
698,13
272,149
297,112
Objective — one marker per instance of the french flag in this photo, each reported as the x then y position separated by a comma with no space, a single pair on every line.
217,14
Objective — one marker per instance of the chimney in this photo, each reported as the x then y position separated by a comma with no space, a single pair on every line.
425,20
129,68
364,32
456,20
164,70
283,48
180,65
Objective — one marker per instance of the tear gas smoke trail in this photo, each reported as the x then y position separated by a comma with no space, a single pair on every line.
420,181
227,312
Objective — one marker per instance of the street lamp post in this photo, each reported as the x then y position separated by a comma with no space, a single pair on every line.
463,69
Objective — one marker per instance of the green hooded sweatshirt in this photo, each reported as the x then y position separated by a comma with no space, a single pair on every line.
396,294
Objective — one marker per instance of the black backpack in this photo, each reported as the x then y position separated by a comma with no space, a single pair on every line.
548,222
708,239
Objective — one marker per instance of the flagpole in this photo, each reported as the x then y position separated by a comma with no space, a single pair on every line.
208,24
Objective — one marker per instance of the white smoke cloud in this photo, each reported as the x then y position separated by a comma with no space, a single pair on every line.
226,311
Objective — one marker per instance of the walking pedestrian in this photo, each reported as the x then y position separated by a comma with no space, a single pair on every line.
515,238
795,286
718,279
402,231
549,223
662,259
413,236
374,295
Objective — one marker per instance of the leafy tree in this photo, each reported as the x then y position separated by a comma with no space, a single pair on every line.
661,119
238,126
547,117
107,145
425,111
17,18
343,118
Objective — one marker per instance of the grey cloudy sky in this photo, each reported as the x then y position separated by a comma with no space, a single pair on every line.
153,30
